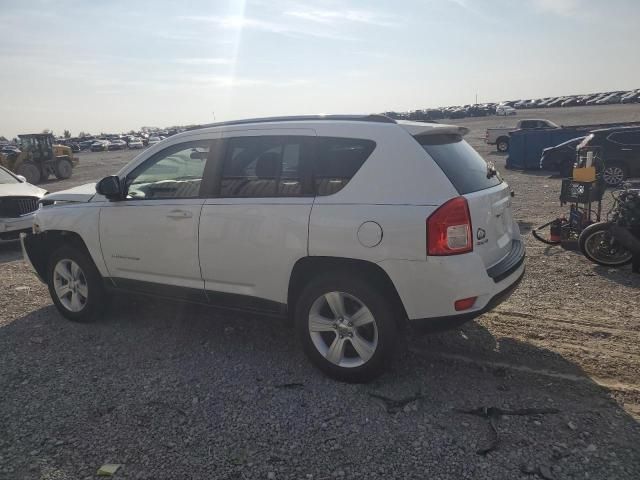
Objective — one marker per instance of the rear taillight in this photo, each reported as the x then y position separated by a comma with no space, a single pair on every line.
449,229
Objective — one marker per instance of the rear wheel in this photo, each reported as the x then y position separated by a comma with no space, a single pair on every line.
29,171
63,168
599,245
502,144
346,327
75,285
614,174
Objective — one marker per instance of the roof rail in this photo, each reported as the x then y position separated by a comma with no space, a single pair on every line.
351,118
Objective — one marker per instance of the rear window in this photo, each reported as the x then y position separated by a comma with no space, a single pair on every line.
465,168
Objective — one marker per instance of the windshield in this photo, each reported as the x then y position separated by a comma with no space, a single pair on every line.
6,177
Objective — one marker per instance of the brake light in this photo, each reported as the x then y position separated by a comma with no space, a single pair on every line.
449,229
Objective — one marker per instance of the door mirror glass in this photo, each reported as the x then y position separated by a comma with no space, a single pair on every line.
110,187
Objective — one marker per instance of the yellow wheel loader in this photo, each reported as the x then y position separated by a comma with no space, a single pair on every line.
39,158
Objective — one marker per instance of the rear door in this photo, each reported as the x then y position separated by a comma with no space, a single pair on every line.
488,196
257,227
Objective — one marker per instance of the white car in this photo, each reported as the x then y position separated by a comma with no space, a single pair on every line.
505,110
352,225
135,143
154,140
18,204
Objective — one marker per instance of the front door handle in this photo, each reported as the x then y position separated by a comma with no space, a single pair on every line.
178,214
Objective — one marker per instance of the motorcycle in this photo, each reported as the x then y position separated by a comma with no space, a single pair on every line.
616,242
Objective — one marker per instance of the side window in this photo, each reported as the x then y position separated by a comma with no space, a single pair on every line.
337,161
267,166
626,138
528,124
175,172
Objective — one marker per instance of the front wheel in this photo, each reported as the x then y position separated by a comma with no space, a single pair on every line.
346,327
63,168
599,245
75,285
30,172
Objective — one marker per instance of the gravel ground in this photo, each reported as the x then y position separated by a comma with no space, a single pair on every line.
173,391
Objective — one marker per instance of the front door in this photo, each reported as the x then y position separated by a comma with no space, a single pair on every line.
150,240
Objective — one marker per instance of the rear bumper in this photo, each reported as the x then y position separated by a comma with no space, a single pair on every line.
429,289
452,321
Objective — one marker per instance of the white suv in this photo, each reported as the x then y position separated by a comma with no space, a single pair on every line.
352,225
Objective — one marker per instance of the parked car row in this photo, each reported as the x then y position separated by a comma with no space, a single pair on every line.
510,107
114,142
110,145
604,98
434,114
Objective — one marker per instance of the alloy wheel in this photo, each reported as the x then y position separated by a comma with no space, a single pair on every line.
343,329
70,285
613,175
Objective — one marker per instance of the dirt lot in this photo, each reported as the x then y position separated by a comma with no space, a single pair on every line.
173,391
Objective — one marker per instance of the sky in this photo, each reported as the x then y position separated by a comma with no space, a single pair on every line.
112,66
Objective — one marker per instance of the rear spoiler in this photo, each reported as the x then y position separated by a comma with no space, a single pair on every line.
420,129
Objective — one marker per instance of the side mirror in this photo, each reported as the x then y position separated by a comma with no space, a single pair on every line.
21,178
111,188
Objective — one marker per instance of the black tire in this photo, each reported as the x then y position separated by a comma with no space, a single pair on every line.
95,300
63,168
614,174
502,144
378,304
30,171
599,246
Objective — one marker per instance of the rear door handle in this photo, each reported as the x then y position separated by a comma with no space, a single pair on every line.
178,214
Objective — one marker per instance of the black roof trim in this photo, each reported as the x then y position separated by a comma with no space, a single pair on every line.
350,118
